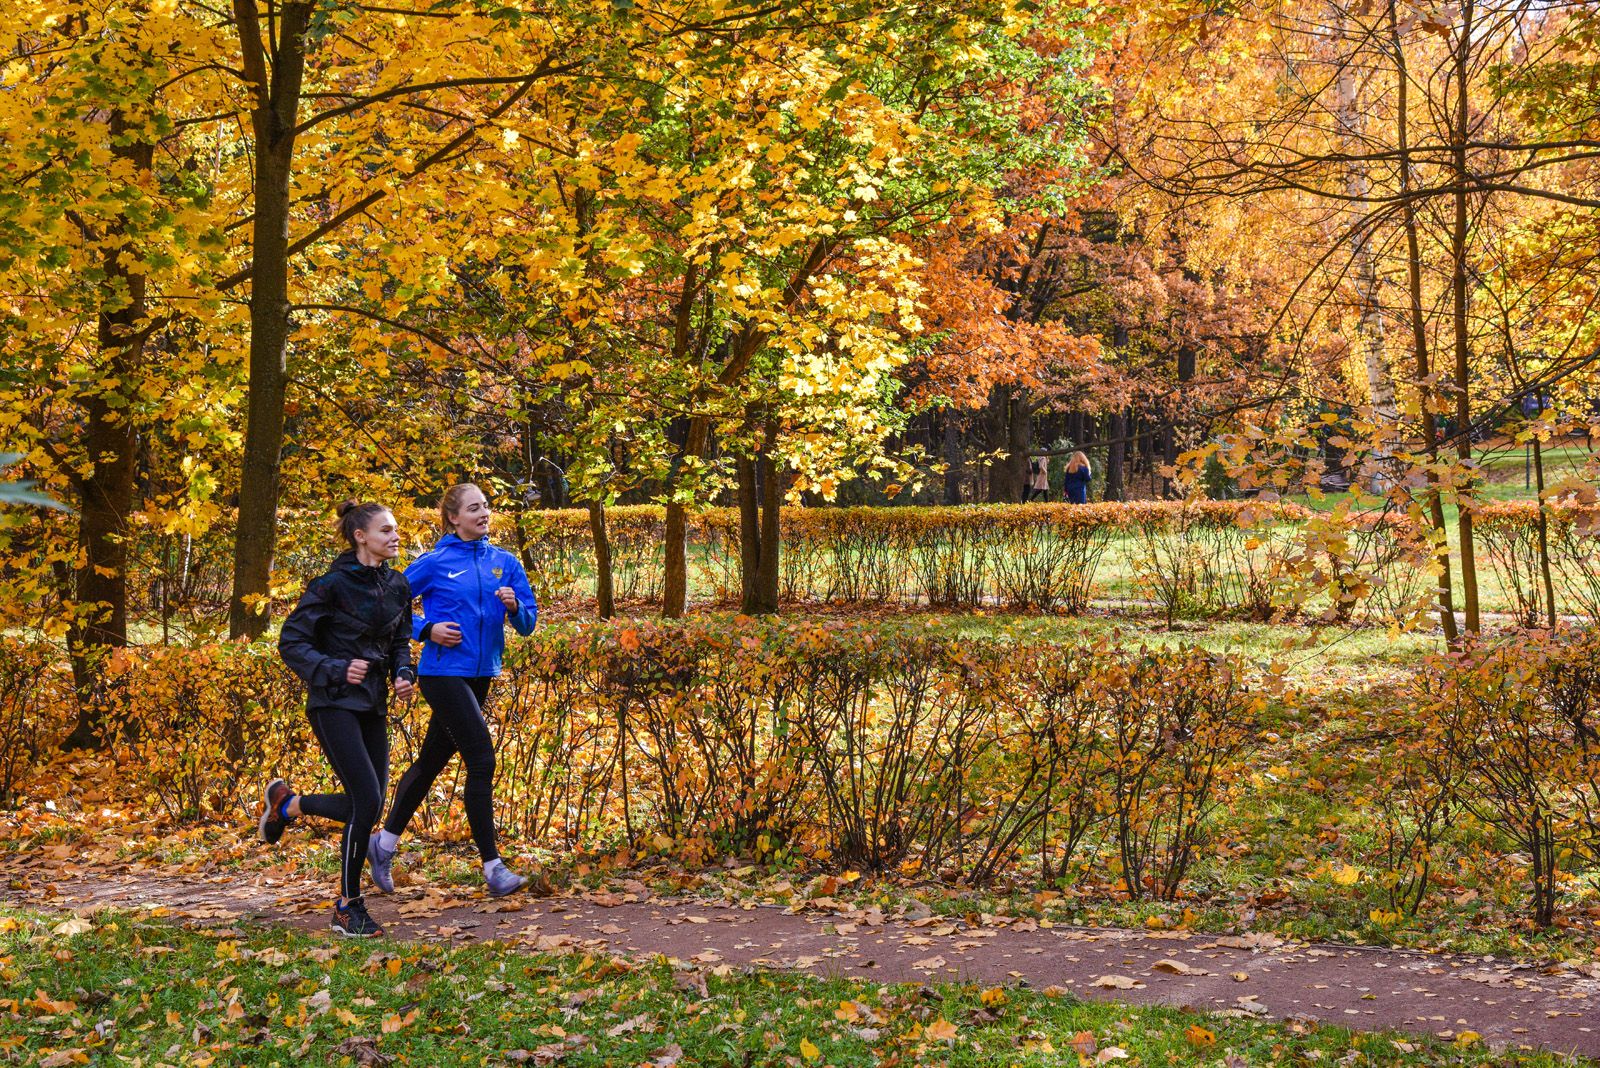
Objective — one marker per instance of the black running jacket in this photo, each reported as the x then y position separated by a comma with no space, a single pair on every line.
353,612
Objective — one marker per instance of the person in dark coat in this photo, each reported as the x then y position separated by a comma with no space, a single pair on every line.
349,636
1075,484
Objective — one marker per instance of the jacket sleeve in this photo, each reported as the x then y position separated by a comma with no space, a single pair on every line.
400,644
417,576
297,643
526,617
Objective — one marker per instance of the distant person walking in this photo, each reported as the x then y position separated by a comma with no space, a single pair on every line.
347,638
470,590
1075,484
1038,488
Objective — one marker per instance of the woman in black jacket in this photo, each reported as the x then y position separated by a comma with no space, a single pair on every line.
349,635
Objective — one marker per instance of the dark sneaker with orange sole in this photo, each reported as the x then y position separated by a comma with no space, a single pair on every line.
270,827
353,921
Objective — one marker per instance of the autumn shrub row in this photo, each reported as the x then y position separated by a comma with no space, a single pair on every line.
1511,538
1504,737
1191,557
870,749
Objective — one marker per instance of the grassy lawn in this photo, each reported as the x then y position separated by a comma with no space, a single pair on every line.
121,988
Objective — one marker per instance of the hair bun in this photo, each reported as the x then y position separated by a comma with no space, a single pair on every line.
346,506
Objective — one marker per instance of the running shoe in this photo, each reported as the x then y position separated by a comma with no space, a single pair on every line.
269,828
502,880
380,862
353,921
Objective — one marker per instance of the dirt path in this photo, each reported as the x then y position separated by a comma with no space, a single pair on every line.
1509,1003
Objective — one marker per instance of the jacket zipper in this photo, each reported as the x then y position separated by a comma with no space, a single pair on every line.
477,570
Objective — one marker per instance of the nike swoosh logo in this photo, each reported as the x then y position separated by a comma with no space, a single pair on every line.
455,574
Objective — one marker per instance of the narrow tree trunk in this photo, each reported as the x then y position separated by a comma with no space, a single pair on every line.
604,586
1364,267
1459,294
1544,536
273,120
1419,335
106,491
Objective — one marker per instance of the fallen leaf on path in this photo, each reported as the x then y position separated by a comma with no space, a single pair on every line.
1117,982
928,964
1177,967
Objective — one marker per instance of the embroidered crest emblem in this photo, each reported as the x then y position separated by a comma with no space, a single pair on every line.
497,571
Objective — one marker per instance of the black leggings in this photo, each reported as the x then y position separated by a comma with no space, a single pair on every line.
357,746
456,726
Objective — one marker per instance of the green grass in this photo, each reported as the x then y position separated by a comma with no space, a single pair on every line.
124,989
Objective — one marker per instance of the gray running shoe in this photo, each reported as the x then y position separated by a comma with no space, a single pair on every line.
380,862
502,881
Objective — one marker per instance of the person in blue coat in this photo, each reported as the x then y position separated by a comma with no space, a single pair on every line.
1075,483
470,589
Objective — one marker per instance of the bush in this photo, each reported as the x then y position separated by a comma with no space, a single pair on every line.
35,696
874,748
1516,720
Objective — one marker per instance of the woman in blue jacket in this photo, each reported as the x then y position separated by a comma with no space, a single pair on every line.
1076,481
469,589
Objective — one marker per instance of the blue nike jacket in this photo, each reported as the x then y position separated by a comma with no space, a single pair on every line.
456,580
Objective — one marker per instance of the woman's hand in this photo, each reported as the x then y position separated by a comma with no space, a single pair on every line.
404,689
445,634
508,597
356,672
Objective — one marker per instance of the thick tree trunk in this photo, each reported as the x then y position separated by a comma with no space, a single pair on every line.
744,468
1009,424
273,120
1117,435
759,536
675,581
952,459
1419,336
106,492
771,533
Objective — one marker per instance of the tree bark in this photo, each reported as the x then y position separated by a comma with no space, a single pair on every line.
952,459
771,500
1459,295
1419,335
1117,434
105,493
1544,536
759,536
273,121
604,587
